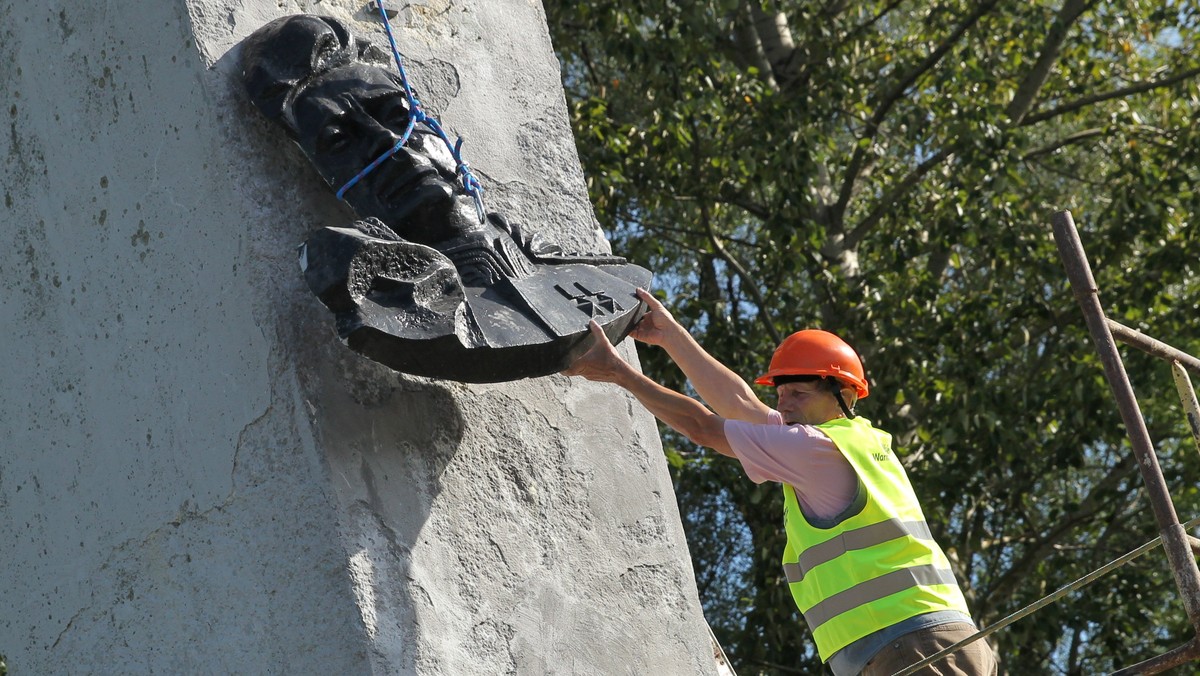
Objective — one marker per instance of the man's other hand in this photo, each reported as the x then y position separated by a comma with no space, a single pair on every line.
601,363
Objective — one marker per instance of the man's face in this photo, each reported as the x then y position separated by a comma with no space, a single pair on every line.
352,115
806,403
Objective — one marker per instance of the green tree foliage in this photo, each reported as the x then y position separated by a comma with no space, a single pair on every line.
886,170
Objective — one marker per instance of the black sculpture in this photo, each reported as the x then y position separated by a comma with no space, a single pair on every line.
426,283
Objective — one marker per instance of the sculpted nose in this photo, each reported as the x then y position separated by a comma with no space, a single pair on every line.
379,139
372,137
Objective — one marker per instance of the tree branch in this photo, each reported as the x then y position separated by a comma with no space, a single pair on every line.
1015,575
748,282
775,37
864,227
1036,77
1077,137
861,28
758,211
899,190
889,99
749,44
1105,96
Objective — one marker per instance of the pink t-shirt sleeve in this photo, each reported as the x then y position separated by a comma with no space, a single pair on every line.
797,455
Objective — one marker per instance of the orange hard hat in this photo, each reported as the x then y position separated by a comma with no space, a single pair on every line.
813,352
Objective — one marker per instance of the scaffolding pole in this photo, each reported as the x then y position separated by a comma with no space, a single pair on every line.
1152,347
1175,539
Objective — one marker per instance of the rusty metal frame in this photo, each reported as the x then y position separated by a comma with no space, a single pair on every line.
1176,541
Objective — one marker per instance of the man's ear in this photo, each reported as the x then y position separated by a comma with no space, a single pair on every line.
850,396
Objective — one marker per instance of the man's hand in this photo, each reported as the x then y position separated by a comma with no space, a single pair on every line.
683,414
601,363
656,324
722,389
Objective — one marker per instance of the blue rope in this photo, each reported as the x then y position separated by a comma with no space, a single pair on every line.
416,114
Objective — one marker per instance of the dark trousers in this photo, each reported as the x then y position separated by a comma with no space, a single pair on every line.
976,659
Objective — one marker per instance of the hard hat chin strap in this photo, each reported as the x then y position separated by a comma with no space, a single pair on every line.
836,386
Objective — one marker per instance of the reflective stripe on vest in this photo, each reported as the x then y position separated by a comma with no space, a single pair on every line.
859,538
875,589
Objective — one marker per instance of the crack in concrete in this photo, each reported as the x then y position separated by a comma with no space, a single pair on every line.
184,515
241,440
71,623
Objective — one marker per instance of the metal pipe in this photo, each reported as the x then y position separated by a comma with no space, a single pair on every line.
1187,396
1172,658
1150,346
1083,284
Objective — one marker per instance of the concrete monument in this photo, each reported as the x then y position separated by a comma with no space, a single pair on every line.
198,477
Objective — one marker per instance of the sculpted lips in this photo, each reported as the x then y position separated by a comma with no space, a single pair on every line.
398,187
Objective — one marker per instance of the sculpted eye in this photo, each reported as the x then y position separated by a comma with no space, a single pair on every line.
394,113
275,90
332,139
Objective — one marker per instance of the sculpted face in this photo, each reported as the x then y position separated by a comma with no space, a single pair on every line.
351,115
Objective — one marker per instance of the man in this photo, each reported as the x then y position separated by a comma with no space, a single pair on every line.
875,589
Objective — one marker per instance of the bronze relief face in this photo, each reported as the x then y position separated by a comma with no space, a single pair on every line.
353,114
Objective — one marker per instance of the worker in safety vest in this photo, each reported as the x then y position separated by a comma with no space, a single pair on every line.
873,586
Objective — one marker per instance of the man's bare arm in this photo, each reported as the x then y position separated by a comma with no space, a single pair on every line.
721,388
683,414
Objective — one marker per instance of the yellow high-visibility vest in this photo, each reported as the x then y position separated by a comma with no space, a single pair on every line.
877,567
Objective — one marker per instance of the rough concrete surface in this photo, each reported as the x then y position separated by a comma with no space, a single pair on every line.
196,477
